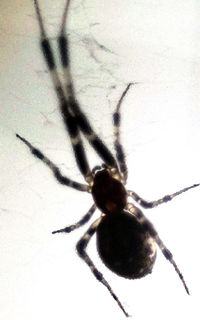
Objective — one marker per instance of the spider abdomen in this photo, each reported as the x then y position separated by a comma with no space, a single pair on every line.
109,194
125,246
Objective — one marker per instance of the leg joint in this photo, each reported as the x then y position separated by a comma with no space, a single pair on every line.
80,247
167,254
98,275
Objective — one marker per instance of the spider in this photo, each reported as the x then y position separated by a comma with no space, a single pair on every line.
126,239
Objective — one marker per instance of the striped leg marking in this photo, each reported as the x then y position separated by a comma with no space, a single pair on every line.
68,118
80,223
153,233
151,204
56,171
117,144
81,249
81,119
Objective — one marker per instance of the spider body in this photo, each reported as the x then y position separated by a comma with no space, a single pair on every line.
126,239
125,246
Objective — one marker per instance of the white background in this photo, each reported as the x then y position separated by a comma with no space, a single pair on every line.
153,43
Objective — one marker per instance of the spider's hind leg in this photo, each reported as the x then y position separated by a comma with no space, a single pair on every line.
81,249
148,226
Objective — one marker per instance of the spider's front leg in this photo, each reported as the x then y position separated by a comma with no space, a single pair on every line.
81,119
81,249
68,117
120,155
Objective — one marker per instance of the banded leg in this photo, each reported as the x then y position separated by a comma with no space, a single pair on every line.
80,223
153,233
59,177
151,204
117,144
82,121
68,118
81,249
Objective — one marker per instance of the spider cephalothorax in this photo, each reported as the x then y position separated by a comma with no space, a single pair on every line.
126,239
108,193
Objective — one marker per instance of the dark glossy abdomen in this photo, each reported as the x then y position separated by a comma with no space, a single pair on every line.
124,246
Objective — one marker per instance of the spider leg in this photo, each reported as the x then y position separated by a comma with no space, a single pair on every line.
153,233
82,121
68,118
80,223
151,204
56,171
81,249
117,144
